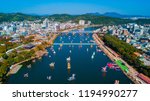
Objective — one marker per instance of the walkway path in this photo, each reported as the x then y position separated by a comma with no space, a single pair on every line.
132,74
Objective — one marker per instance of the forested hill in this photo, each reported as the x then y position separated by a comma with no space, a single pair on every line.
16,17
66,17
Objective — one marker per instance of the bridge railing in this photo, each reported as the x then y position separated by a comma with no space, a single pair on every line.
81,32
74,44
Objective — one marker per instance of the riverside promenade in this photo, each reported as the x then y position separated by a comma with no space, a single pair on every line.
132,73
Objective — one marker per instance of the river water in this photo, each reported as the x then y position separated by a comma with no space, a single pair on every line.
86,69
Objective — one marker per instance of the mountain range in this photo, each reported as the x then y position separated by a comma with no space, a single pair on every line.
117,15
95,18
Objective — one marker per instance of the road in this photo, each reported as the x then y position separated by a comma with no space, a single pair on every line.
132,74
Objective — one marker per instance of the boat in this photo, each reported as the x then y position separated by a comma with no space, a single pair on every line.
49,56
93,53
117,69
51,48
104,69
92,41
98,50
72,77
59,48
111,65
91,46
68,65
26,75
92,57
29,66
68,59
49,77
54,52
70,51
116,81
52,64
87,49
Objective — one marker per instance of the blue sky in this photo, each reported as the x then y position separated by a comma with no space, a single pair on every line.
129,7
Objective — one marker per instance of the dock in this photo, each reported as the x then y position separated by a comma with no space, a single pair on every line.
15,69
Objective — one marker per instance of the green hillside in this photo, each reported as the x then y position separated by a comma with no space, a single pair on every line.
66,17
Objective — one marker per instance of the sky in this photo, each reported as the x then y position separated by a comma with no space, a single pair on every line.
128,7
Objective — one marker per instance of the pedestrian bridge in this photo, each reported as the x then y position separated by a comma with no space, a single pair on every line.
81,31
87,32
78,44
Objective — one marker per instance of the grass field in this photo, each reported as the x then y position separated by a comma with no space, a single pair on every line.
122,65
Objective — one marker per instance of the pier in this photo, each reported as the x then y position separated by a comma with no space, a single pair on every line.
15,69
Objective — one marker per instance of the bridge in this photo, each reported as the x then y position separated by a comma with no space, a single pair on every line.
79,31
77,44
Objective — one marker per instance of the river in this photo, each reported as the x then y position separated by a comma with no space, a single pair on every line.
85,69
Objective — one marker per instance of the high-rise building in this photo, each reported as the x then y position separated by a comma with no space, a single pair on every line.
45,23
82,22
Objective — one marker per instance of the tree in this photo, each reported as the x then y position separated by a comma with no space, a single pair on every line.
127,52
5,56
22,38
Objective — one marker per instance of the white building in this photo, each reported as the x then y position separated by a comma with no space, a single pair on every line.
45,23
82,22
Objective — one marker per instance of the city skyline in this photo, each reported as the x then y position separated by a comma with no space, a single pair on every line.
126,7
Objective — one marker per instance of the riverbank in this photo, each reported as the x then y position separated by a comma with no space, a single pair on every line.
14,68
115,57
38,54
